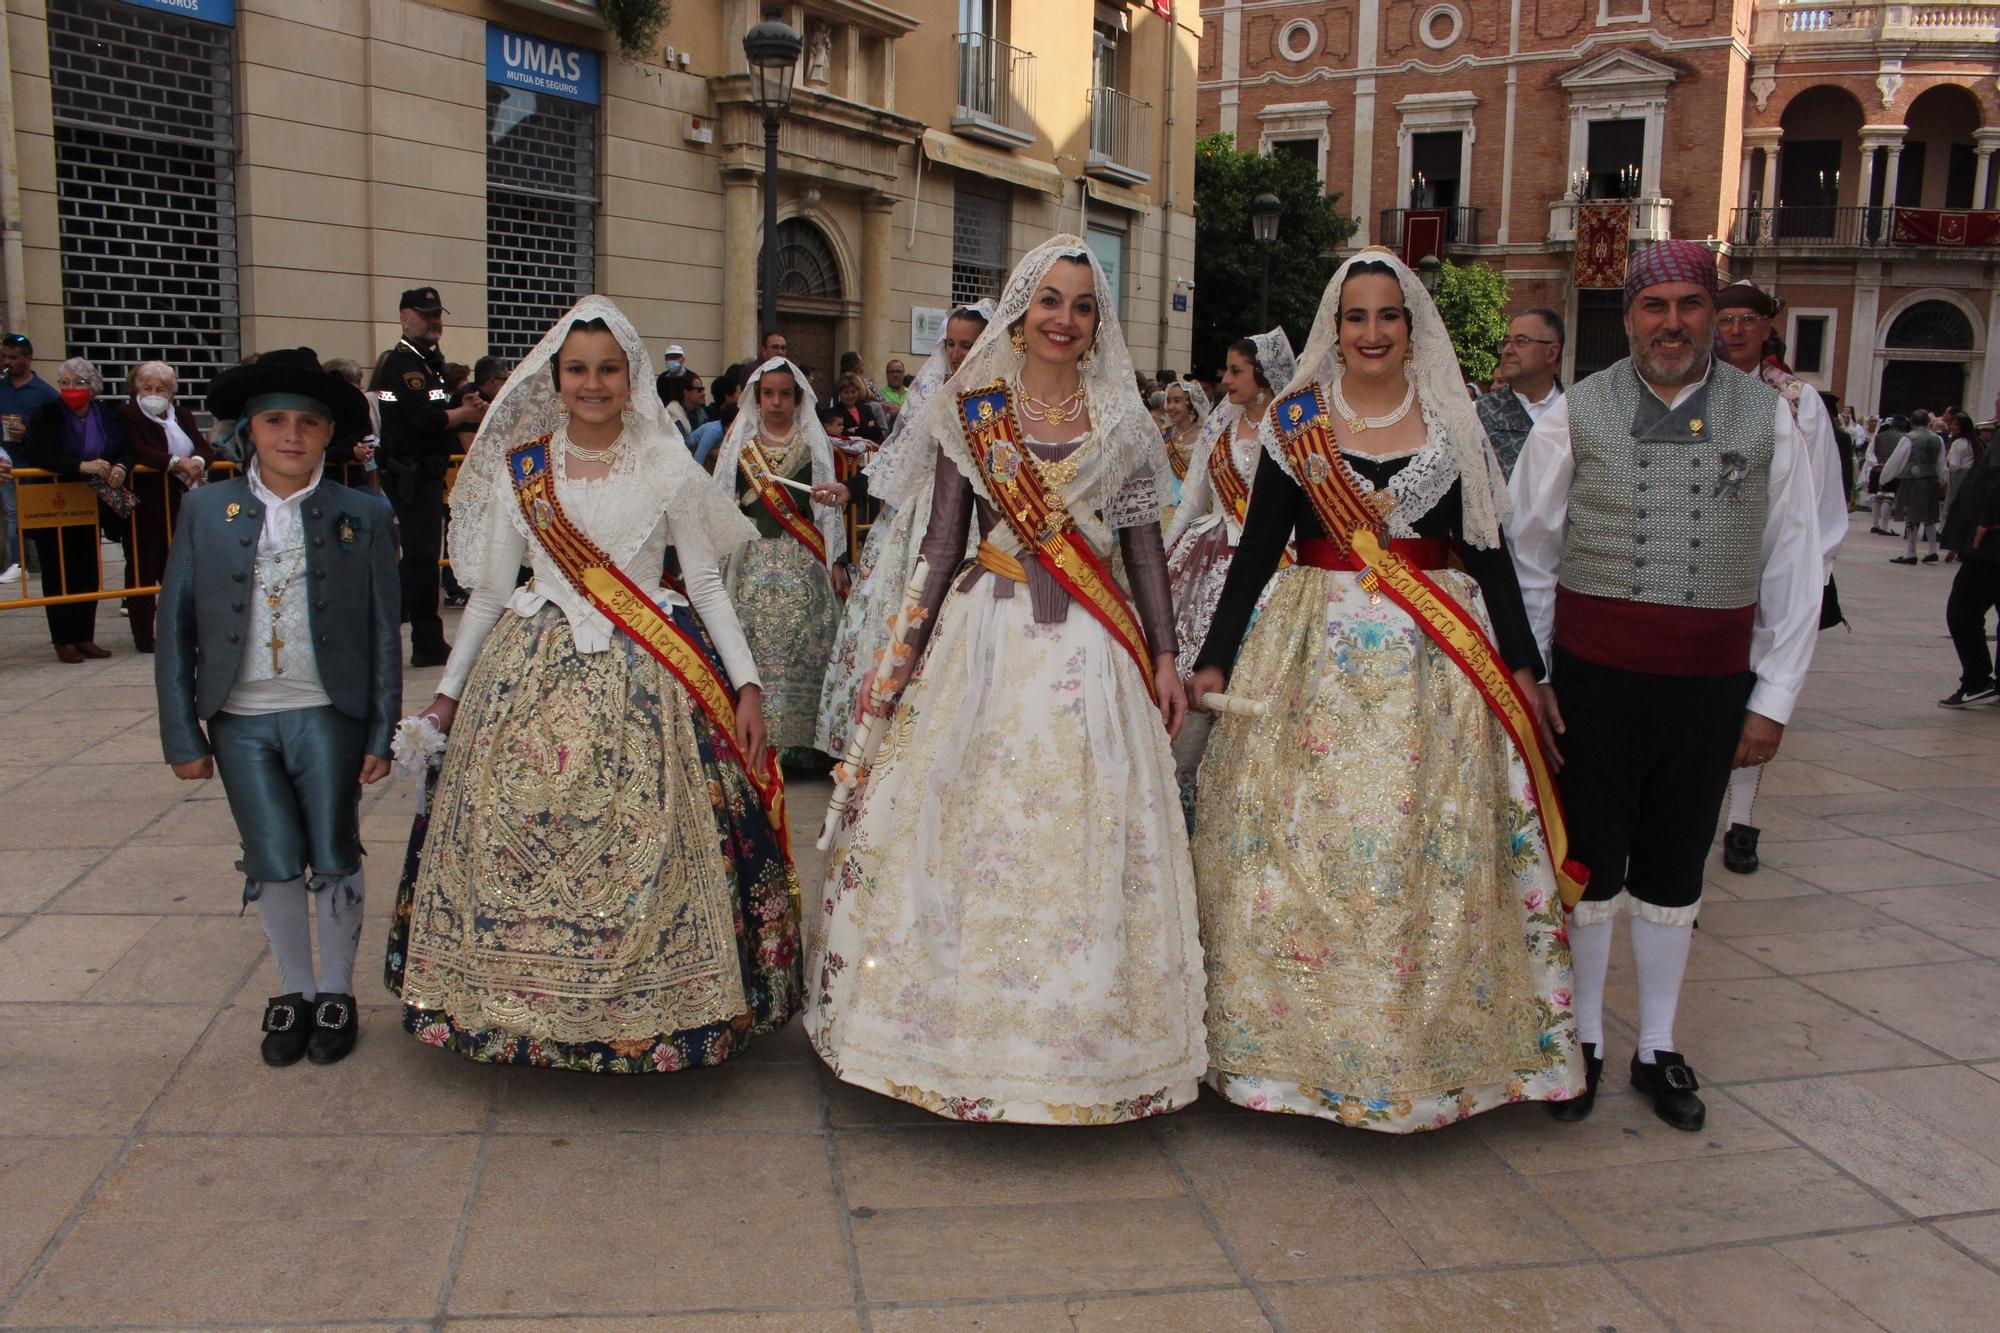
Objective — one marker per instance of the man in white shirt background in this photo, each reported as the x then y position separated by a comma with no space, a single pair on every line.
1530,365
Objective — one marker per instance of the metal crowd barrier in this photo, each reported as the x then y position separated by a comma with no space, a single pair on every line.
46,500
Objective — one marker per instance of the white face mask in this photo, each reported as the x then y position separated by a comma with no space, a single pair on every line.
154,404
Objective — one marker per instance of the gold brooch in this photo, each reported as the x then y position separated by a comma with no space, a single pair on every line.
986,409
229,514
1295,414
1694,426
1382,502
527,465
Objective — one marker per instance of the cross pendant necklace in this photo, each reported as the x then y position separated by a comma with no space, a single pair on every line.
275,599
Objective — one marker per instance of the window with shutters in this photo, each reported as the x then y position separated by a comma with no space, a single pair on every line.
978,240
145,188
541,213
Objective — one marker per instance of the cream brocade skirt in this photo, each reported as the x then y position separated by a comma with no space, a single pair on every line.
1008,927
787,607
1384,940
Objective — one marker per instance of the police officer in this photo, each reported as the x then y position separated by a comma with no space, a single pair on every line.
419,435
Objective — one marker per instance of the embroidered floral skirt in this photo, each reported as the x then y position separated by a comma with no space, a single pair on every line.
1384,941
1008,926
789,613
592,884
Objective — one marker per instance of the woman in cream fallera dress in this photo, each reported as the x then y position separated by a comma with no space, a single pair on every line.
1007,928
1384,936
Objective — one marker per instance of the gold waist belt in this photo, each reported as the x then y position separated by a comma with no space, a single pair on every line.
1006,566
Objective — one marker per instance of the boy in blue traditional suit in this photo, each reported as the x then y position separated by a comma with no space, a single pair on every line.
279,634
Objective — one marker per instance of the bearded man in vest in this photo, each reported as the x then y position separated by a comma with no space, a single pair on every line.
1664,534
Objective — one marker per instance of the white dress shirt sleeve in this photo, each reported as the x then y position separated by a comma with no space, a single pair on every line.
701,574
1830,498
1535,534
505,550
1898,460
1788,594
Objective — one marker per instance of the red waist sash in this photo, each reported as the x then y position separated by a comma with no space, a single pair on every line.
1423,552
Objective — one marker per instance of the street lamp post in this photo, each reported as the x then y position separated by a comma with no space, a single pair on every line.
1264,211
1428,269
773,50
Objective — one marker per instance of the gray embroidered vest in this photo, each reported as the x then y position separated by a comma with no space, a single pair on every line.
1668,505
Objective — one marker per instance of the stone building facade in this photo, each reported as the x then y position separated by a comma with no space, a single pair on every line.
1840,152
198,179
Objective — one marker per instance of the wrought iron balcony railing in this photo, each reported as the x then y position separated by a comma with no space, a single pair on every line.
1461,224
1121,136
996,91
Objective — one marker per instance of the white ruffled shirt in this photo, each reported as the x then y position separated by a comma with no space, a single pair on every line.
626,514
261,687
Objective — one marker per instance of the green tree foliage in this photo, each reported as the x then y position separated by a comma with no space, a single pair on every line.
1228,264
636,24
1472,298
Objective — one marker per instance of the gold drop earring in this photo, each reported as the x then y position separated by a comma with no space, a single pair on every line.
1018,336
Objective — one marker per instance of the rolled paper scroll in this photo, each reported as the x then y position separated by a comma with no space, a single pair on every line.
1233,706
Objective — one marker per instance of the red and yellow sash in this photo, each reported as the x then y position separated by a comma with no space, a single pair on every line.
1355,528
1176,461
1044,526
779,505
624,604
1230,487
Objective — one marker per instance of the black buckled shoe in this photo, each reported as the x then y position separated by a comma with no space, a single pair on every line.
1671,1083
287,1026
333,1029
1576,1108
1739,849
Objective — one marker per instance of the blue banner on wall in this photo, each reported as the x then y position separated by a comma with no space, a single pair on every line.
538,65
220,12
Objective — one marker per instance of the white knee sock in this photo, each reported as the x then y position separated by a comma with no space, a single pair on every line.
1881,511
1743,793
281,906
1590,953
1660,956
1931,536
338,905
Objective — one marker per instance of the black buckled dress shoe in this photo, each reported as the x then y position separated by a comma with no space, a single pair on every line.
1671,1083
287,1027
333,1029
1739,849
1576,1108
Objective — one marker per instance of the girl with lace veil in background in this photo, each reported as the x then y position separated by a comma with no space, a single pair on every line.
787,581
1187,413
1378,903
1208,522
600,880
1008,919
900,478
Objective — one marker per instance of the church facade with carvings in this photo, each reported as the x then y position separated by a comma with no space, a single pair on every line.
1840,153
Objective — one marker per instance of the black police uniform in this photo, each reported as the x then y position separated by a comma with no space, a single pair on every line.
417,445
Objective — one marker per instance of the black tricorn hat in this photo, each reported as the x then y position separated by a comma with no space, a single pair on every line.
294,370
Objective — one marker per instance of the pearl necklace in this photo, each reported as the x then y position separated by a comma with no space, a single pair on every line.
1356,423
609,452
1059,413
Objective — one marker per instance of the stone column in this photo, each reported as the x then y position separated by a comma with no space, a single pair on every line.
877,210
742,234
1889,180
1985,142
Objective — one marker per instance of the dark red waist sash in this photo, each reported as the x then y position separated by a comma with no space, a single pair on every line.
1423,552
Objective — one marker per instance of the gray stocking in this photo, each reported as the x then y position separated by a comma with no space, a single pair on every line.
337,899
281,906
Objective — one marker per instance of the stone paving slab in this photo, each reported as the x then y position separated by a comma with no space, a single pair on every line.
1843,1007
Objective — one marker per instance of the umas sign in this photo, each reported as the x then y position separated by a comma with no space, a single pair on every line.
538,65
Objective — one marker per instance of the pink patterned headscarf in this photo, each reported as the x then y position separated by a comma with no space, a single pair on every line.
1669,261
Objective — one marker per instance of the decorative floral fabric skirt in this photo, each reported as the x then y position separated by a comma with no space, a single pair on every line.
1385,945
789,613
1008,925
592,883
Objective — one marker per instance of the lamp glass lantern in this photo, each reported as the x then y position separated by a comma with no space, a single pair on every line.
1428,269
773,51
1264,212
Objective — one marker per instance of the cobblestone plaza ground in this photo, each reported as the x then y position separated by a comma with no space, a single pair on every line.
1843,1009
